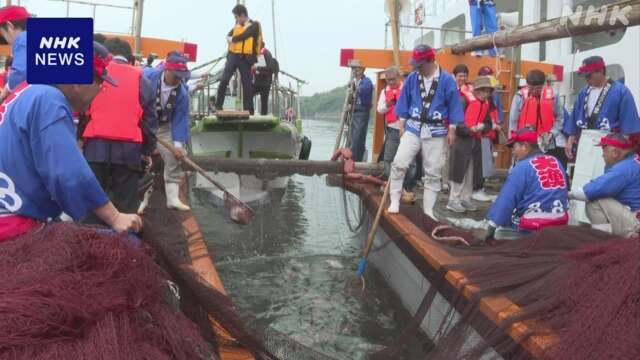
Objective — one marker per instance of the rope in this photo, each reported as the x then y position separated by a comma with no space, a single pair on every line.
447,238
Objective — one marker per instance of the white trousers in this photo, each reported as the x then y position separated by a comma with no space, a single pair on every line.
172,169
433,156
464,190
623,221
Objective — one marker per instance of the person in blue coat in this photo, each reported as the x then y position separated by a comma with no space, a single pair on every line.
602,105
361,113
42,170
13,30
429,109
172,107
483,12
613,199
534,195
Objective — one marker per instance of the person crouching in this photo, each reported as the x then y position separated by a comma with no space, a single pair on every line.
534,196
429,99
480,119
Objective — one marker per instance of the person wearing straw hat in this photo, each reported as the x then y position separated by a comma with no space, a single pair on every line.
119,140
172,107
534,196
429,110
42,170
613,199
480,120
13,31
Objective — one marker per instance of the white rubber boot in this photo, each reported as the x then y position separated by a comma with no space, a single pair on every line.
603,227
429,198
394,205
173,197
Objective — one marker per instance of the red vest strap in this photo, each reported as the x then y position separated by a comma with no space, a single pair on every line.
537,113
389,93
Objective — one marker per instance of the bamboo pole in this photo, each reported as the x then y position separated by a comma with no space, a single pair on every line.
395,32
268,168
609,17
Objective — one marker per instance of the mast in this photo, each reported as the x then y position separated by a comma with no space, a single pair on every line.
273,20
139,5
395,30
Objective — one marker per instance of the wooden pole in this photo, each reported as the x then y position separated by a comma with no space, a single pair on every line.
138,31
267,168
395,32
608,17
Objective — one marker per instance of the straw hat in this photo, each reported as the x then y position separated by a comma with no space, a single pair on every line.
483,82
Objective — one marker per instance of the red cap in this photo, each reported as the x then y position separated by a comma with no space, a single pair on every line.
616,140
523,136
12,13
422,54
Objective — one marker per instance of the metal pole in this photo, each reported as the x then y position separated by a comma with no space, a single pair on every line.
138,32
518,60
133,18
273,19
94,12
67,8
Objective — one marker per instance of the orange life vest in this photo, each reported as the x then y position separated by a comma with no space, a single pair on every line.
541,121
476,111
115,114
389,93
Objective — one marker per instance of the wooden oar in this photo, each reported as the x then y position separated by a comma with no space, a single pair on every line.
362,265
239,212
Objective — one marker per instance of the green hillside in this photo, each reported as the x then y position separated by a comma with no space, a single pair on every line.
325,105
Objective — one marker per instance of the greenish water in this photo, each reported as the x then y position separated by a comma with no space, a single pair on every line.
289,267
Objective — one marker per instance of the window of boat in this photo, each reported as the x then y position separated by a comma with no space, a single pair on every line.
599,39
614,71
452,37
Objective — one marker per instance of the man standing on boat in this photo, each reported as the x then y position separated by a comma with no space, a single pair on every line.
535,106
171,98
245,44
264,76
387,106
361,113
429,110
483,12
534,195
613,199
13,30
42,171
119,140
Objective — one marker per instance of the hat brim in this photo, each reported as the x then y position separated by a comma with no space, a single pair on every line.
484,87
416,64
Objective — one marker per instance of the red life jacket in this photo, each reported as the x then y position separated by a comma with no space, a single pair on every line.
541,121
389,93
116,112
476,111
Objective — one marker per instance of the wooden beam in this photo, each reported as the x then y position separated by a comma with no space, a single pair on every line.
266,168
608,17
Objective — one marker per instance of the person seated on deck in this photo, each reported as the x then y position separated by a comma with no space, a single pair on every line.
613,199
172,107
429,109
13,31
119,140
480,120
534,196
42,171
387,106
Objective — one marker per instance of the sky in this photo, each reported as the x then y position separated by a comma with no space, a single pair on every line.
310,33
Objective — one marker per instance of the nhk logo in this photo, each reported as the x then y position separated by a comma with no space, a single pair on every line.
59,50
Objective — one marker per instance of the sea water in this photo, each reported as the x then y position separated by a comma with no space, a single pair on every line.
289,267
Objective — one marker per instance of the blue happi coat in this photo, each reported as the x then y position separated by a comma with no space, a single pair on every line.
446,105
618,113
18,72
620,181
364,93
42,171
180,115
536,184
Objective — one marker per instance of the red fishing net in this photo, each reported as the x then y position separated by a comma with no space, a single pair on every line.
71,292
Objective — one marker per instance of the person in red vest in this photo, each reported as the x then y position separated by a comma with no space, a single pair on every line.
387,106
480,120
119,137
537,107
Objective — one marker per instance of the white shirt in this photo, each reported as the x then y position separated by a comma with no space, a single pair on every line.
429,80
382,109
594,95
165,90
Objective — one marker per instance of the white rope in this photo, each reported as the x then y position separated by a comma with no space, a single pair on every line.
447,238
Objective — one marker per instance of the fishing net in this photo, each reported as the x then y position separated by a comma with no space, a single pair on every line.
71,292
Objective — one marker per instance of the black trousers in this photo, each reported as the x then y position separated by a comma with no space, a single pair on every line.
120,182
263,89
237,62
